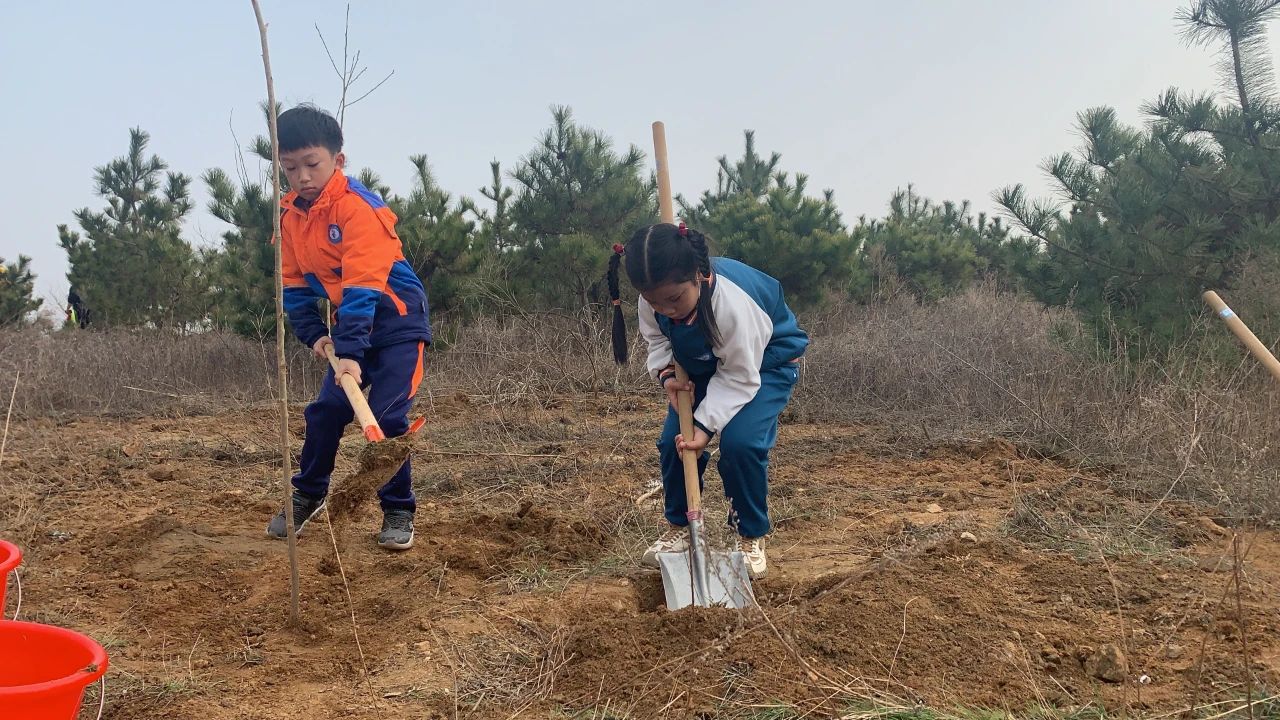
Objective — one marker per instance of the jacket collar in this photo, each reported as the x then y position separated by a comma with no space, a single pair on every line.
333,189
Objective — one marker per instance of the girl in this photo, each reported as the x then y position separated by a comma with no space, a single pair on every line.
729,328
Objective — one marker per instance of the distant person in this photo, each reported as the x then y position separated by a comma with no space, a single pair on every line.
77,313
729,327
339,243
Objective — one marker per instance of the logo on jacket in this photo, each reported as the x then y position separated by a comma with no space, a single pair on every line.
335,234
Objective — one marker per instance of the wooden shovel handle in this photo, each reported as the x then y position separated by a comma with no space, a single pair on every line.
684,399
368,423
1242,331
666,210
684,408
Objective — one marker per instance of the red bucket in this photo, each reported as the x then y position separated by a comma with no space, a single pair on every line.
10,558
45,669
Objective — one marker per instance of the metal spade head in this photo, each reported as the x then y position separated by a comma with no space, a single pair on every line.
727,581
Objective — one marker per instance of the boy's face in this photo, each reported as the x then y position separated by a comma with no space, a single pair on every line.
309,168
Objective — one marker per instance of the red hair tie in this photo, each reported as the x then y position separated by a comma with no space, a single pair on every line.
683,230
619,248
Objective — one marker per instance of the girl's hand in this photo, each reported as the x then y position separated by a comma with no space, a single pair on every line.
698,444
673,386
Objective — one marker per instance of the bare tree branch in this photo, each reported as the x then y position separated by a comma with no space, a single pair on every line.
375,87
350,72
332,62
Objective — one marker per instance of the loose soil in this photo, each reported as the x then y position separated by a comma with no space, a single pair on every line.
903,574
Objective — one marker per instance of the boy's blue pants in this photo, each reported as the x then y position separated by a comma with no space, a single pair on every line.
744,453
394,372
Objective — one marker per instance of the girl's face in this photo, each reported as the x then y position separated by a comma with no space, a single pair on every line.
675,300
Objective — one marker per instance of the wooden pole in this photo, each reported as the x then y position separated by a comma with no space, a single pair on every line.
667,214
666,209
281,367
1243,333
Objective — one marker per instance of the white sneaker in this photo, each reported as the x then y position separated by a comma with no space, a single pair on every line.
674,540
753,548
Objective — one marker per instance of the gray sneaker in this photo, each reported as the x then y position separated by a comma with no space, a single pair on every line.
304,508
397,530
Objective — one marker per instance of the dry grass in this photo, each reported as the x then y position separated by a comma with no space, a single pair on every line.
511,670
145,371
521,357
1196,422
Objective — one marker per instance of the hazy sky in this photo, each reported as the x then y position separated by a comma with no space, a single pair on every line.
959,98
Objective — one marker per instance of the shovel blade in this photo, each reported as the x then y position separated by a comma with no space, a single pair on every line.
728,584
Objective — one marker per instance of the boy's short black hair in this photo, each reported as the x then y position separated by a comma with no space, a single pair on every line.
307,126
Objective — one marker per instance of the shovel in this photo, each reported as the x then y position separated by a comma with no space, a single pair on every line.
378,461
698,576
368,423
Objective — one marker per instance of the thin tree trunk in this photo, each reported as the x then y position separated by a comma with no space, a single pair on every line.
281,367
1242,92
1250,128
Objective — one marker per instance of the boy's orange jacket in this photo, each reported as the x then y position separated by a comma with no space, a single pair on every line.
344,247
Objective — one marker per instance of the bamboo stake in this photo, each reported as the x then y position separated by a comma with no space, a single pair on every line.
281,367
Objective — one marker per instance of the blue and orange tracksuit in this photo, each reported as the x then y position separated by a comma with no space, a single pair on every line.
344,247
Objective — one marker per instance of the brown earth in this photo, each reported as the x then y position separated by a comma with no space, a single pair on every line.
904,573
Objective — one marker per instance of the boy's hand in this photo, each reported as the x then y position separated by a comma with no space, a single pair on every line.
673,386
320,345
346,366
698,444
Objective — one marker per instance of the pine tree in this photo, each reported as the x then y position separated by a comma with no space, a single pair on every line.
1148,217
242,269
932,250
1239,28
575,197
497,231
758,215
439,241
131,264
17,293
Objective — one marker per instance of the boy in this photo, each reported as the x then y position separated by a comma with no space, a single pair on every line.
340,243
